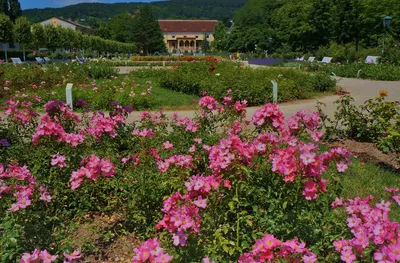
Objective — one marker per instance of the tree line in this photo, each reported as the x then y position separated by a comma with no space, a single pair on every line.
94,13
140,27
306,25
37,36
11,8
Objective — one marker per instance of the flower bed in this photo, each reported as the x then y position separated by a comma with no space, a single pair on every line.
201,190
385,71
170,58
96,85
254,86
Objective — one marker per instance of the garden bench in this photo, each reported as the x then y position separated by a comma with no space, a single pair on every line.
372,59
326,60
311,59
39,60
16,61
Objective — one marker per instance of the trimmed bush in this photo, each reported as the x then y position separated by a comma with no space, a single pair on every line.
246,83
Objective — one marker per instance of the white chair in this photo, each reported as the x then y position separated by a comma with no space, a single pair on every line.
47,60
311,59
16,61
301,59
372,59
326,60
39,60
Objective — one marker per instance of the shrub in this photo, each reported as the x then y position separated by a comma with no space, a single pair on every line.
377,120
238,187
246,84
384,71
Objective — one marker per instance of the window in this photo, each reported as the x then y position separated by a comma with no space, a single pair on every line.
197,36
173,36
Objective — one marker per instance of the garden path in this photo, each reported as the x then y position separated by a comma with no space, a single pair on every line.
361,90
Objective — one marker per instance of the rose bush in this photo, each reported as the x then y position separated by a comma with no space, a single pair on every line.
212,188
215,77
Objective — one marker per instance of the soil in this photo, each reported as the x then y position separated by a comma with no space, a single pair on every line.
114,248
367,152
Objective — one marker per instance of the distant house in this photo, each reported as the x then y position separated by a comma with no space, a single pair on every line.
67,23
187,35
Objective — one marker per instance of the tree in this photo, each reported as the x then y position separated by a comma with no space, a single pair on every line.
146,32
6,31
221,36
38,39
22,32
15,10
51,37
119,28
103,31
4,7
206,44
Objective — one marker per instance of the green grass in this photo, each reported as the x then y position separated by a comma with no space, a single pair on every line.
363,179
164,99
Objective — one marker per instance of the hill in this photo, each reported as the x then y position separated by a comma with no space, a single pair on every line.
93,13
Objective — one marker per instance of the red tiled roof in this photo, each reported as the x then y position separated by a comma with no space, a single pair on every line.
187,25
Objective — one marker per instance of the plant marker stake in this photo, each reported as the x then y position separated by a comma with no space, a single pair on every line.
334,76
358,73
163,63
68,92
274,91
299,66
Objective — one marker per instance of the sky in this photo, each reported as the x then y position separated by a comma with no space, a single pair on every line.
26,4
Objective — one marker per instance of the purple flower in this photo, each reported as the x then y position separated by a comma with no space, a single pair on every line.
4,142
81,103
54,107
128,108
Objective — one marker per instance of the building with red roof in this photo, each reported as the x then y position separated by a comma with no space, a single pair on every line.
187,35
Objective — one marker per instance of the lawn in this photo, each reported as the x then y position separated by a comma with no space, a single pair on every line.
363,179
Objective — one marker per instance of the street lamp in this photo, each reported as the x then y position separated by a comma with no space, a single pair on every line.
386,24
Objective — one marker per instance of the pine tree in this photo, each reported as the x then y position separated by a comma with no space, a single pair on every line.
146,32
15,10
4,7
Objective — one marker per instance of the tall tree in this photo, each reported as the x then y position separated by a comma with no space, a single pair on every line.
51,37
4,7
206,44
146,32
119,28
221,37
22,32
38,39
15,10
6,31
103,31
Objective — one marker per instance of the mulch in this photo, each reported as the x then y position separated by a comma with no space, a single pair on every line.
368,152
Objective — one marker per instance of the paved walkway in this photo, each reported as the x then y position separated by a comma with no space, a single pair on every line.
361,90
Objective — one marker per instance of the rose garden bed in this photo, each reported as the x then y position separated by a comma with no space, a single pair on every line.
182,190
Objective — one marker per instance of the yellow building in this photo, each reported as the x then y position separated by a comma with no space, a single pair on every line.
187,35
67,23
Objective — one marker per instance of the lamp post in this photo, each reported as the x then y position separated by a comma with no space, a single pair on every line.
386,24
270,40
